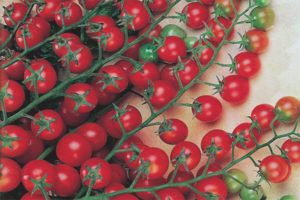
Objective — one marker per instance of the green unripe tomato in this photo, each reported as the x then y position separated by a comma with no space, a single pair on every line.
148,52
288,197
263,17
172,30
190,41
232,185
262,2
251,194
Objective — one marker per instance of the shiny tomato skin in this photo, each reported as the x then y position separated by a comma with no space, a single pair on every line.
28,196
206,54
115,41
103,20
244,129
133,51
72,118
264,115
18,12
146,183
90,4
149,73
258,41
103,171
104,98
128,158
42,24
4,34
74,13
37,169
10,175
124,197
218,31
177,135
67,180
60,48
48,11
212,167
57,126
114,187
158,5
236,89
155,32
293,150
226,8
94,133
197,14
125,65
73,149
173,48
212,185
287,109
16,70
18,146
190,149
33,36
81,89
164,92
248,64
181,176
221,140
170,194
275,168
17,93
127,145
210,108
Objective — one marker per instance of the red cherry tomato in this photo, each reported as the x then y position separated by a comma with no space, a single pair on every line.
33,36
293,150
173,48
60,44
146,75
71,13
42,24
177,132
124,197
155,32
104,98
235,89
218,31
119,175
17,12
13,95
127,145
212,167
73,149
221,139
208,2
72,118
4,35
258,41
264,115
164,92
125,65
47,11
28,196
146,183
275,168
248,64
130,157
213,185
133,51
244,130
90,4
16,70
182,176
101,167
98,23
158,5
170,194
206,54
197,14
226,8
115,40
10,175
209,110
3,75
287,109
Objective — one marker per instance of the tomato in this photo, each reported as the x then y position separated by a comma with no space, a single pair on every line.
73,149
190,41
235,89
146,75
252,194
33,36
170,194
206,53
101,168
48,125
10,175
34,149
14,141
81,97
212,167
119,175
257,41
124,197
114,187
125,65
158,162
104,98
146,183
81,61
262,2
115,40
207,108
138,12
232,185
225,7
187,72
130,118
148,52
248,64
70,11
12,93
42,74
42,24
16,70
244,131
60,44
264,115
131,159
221,140
3,75
47,10
17,12
288,197
287,109
197,14
67,180
37,170
98,23
127,145
275,168
172,30
208,2
173,48
155,32
94,133
4,34
90,4
181,176
28,196
173,131
164,92
218,31
158,5
293,150
112,79
133,51
213,185
263,17
191,152
72,118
